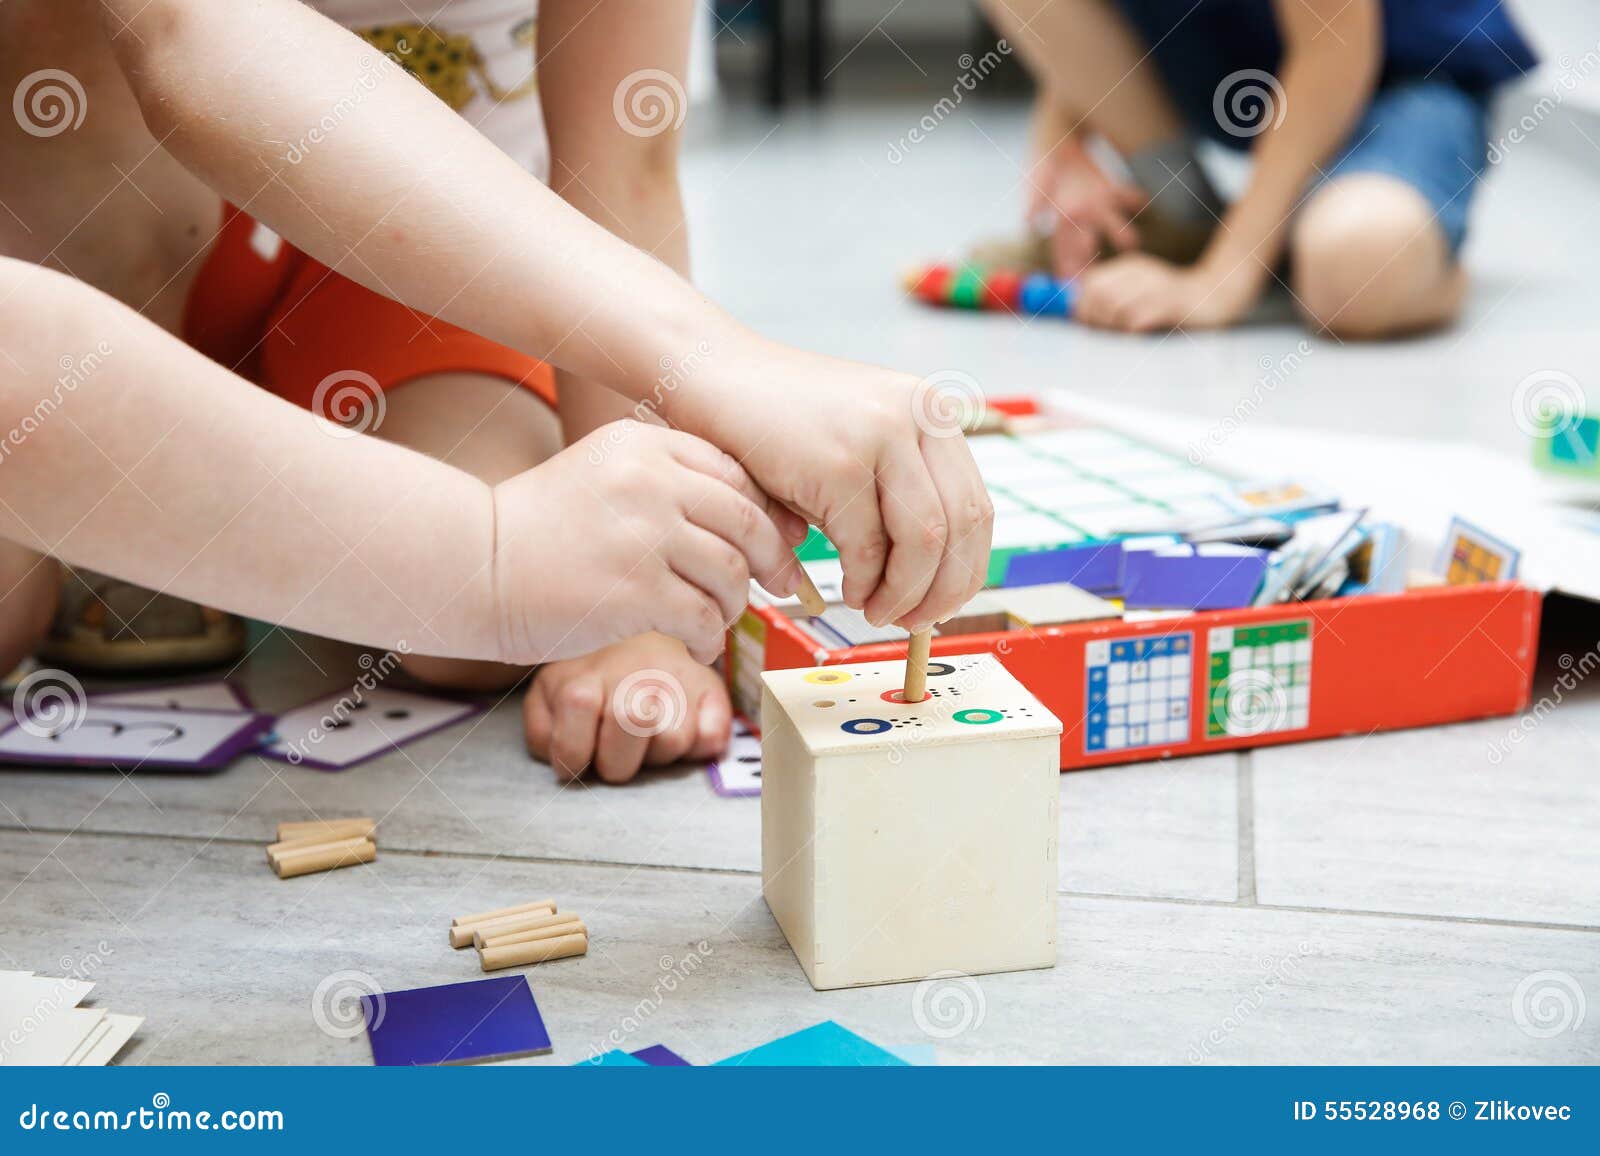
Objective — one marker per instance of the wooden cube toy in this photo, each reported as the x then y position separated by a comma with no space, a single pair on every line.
903,839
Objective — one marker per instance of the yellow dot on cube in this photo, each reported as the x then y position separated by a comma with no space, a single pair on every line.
827,677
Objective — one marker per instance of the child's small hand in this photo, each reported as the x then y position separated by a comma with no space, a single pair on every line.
630,529
1138,293
1082,208
875,458
642,702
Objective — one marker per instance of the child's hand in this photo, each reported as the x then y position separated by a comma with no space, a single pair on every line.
642,702
1138,293
875,458
1082,208
630,529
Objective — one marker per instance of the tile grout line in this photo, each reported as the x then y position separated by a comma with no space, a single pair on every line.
746,873
1245,819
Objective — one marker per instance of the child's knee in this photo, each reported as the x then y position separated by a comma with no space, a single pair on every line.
1363,249
31,593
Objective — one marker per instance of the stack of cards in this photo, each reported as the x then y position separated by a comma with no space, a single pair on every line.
42,1024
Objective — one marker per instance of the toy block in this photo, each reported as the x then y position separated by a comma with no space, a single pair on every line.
903,839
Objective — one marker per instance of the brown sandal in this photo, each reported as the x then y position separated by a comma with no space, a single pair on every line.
106,624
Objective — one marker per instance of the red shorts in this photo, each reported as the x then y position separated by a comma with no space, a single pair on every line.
286,321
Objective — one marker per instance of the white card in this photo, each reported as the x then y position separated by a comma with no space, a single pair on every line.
342,729
118,1031
217,695
134,737
48,1040
739,771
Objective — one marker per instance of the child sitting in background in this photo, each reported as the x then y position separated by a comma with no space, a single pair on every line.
1365,120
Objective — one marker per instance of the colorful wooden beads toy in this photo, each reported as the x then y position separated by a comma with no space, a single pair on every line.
968,287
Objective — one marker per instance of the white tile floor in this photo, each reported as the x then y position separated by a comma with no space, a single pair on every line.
1394,898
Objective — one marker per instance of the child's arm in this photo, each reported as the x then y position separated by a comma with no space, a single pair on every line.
401,195
124,450
626,182
1332,54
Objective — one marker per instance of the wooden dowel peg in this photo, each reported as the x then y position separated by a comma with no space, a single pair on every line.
300,849
916,686
330,855
530,922
501,912
326,829
462,936
539,951
572,925
810,597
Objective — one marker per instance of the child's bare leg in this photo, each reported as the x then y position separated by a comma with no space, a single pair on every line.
1093,65
30,584
1369,261
486,427
1095,75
